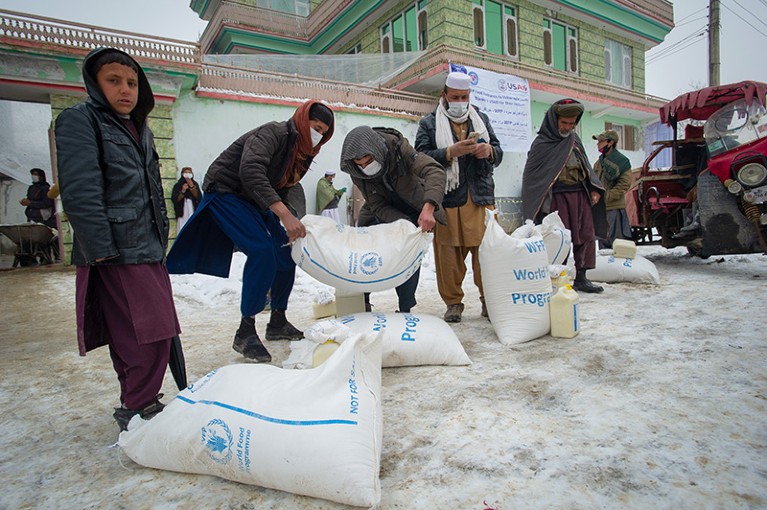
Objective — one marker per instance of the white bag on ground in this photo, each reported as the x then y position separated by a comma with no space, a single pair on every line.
611,269
315,432
515,278
363,259
556,237
409,339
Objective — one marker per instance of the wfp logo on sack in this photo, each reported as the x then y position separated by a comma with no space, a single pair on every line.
368,263
217,439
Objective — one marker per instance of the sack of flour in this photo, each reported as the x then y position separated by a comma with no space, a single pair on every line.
312,432
360,259
611,269
408,339
556,237
516,281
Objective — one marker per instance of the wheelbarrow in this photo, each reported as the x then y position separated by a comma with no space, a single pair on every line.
35,243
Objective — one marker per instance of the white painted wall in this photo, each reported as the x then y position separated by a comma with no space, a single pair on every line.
204,127
23,145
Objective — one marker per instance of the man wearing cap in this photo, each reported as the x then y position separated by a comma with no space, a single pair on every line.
614,170
328,196
558,177
462,140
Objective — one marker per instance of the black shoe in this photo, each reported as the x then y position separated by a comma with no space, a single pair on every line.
123,415
285,332
279,328
247,343
583,284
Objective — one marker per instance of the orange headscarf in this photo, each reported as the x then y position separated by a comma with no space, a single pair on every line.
302,149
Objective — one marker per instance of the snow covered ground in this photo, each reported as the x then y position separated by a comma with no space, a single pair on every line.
660,402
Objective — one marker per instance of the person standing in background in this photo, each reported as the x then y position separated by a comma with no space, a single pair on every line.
186,197
558,177
614,170
39,207
328,196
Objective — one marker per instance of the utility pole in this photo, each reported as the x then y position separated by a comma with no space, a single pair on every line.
713,43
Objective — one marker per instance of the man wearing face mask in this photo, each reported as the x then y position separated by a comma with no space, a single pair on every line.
397,183
558,177
252,200
460,138
39,208
186,197
614,170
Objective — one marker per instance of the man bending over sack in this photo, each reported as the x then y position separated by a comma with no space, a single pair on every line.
397,183
250,202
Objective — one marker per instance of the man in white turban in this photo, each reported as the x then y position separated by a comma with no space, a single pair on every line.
460,137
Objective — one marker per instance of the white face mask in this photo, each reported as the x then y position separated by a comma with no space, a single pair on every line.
372,169
35,178
316,137
186,176
457,109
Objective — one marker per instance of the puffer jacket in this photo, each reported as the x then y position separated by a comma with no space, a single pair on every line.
110,183
253,165
475,175
410,179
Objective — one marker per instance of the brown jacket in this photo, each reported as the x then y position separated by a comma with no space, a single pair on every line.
411,179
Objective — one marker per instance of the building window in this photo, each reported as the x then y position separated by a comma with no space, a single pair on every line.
627,136
560,46
617,63
407,31
495,27
357,48
299,7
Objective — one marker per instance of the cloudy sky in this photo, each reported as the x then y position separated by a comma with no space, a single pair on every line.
677,65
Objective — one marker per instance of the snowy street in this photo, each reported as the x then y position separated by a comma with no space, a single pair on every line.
660,402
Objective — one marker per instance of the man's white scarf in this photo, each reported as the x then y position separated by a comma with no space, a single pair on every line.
444,137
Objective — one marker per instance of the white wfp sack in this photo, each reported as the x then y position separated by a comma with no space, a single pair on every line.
516,281
315,432
611,269
364,259
408,340
556,237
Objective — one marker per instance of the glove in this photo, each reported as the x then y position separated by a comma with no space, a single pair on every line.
343,190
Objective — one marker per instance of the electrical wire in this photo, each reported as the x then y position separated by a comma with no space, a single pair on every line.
742,18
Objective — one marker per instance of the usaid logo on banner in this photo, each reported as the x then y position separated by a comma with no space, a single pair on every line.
474,78
502,85
217,439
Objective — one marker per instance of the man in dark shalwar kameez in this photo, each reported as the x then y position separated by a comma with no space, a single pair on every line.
558,177
109,174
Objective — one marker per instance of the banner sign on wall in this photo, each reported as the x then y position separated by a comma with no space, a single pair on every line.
505,99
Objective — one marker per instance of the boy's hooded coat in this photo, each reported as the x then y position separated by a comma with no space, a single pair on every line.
110,183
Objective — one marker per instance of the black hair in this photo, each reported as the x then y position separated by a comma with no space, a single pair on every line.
111,57
322,113
39,171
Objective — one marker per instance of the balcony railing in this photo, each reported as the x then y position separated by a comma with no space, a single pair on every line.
232,80
19,29
267,21
443,54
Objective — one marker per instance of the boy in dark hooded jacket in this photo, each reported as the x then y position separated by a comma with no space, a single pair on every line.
109,176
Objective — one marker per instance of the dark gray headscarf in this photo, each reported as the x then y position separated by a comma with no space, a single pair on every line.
360,142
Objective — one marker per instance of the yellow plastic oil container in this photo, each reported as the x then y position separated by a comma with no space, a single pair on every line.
624,249
323,351
564,313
